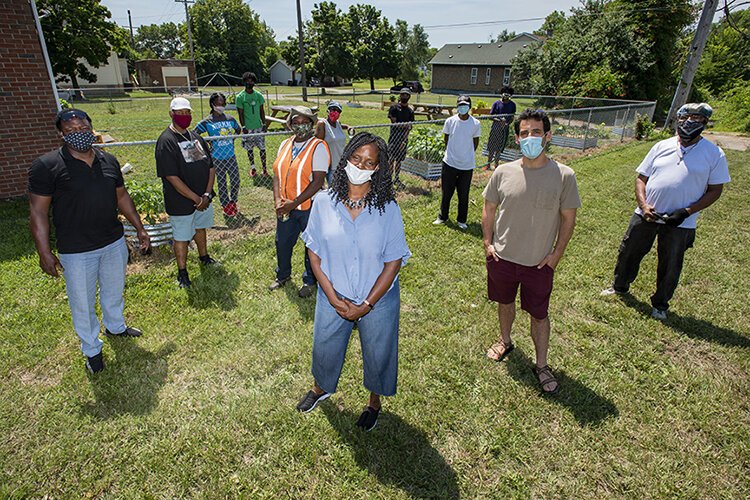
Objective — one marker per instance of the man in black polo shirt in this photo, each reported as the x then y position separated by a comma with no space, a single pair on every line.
398,139
84,187
187,172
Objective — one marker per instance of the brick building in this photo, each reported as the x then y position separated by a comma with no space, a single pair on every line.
25,92
166,73
478,68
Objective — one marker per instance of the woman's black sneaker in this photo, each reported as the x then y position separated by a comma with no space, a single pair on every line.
369,419
95,364
310,401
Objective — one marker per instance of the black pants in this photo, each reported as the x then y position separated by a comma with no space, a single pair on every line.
454,179
287,234
672,242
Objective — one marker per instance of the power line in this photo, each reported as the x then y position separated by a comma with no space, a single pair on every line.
528,19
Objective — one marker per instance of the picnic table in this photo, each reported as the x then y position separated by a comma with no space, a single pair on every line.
433,111
279,114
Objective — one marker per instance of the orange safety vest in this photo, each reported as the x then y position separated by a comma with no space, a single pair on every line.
294,175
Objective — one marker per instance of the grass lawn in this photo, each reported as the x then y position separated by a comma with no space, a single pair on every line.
203,403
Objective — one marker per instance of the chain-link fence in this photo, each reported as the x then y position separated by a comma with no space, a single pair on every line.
244,168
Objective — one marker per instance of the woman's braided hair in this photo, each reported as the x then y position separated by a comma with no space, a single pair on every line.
381,184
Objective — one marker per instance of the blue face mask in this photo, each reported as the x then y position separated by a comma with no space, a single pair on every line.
531,147
463,109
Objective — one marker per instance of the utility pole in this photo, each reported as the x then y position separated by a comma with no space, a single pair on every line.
693,58
301,52
132,38
187,20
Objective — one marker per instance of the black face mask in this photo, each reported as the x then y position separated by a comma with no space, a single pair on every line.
249,87
689,130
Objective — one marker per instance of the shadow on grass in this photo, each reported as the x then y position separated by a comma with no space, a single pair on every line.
130,383
213,287
396,453
691,327
306,306
588,407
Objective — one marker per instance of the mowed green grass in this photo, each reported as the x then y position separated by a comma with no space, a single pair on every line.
203,404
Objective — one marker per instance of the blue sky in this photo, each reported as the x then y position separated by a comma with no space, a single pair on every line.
282,17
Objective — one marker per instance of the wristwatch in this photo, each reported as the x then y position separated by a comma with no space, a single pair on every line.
367,303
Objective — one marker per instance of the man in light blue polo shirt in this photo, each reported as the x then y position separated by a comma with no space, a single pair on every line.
679,177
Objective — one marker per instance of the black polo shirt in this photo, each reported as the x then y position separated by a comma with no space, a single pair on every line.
185,156
84,199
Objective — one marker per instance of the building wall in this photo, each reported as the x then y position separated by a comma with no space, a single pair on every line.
149,71
24,81
458,78
281,74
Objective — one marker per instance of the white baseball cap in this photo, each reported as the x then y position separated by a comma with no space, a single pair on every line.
179,103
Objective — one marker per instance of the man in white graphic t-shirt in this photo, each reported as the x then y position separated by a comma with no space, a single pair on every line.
678,178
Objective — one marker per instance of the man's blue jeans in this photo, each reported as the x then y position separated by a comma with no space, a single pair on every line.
105,266
287,234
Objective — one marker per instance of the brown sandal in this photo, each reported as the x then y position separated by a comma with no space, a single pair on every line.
498,351
546,370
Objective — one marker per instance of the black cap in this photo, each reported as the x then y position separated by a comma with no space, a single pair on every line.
463,99
69,114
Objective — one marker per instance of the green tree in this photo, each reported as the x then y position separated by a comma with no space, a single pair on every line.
229,37
413,49
159,41
659,24
373,43
503,36
77,31
726,58
327,32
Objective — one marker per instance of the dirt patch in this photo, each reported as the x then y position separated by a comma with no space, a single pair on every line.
728,140
702,358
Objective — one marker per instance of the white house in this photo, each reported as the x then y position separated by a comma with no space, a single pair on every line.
112,75
281,73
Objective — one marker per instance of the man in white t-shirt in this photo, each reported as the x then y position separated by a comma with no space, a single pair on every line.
678,178
461,134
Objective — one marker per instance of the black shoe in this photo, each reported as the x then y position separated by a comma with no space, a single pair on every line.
95,364
310,401
183,279
129,332
206,260
277,283
306,291
369,419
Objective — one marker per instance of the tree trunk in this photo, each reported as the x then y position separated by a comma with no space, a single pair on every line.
77,91
372,83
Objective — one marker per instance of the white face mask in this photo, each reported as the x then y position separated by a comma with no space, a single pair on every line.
219,109
357,175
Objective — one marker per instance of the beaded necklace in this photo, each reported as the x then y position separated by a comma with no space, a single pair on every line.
354,204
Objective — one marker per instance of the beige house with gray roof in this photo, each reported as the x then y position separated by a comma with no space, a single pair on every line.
477,68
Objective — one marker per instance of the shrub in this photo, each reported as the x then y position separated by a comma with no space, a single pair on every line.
481,104
111,108
733,111
148,200
426,144
64,104
644,127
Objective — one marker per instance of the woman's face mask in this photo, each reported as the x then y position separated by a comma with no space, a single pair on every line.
219,109
302,130
334,115
357,175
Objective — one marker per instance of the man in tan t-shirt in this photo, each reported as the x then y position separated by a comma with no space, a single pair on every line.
528,218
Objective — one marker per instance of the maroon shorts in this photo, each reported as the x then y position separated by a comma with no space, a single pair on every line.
503,279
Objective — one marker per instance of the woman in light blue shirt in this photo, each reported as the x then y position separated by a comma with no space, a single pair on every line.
355,238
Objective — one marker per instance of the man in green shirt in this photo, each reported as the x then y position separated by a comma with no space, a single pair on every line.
253,120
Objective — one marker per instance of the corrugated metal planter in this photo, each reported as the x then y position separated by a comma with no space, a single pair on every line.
574,142
429,171
160,233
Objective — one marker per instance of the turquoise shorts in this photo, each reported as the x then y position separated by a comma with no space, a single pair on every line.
184,226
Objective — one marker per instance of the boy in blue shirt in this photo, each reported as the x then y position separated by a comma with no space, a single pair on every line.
222,151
